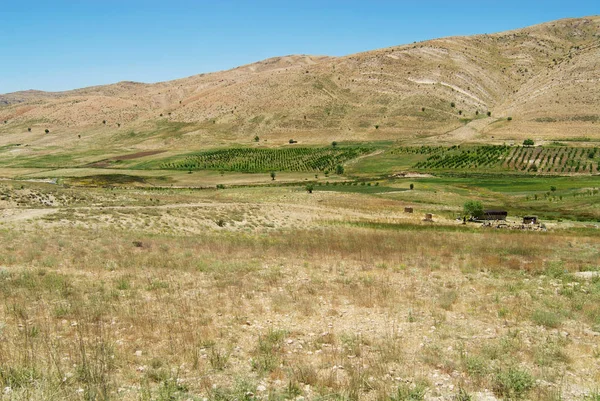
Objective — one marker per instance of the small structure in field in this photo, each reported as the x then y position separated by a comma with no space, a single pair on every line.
530,220
428,217
408,210
492,214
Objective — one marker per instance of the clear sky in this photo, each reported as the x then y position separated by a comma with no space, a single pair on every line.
59,45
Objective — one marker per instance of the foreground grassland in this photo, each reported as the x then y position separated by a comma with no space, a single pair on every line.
273,293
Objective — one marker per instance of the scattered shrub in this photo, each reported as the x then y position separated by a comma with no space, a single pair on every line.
513,383
473,209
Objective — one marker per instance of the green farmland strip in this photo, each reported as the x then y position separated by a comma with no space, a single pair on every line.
265,160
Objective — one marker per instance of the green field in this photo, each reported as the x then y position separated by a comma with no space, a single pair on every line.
551,160
265,160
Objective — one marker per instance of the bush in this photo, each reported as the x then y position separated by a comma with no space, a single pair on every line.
473,209
452,104
513,383
339,169
309,188
528,142
47,131
334,144
547,319
462,395
412,186
407,393
489,113
256,138
509,118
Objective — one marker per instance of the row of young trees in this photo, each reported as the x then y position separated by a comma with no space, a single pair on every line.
266,160
495,157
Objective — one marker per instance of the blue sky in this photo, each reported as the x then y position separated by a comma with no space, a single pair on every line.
60,45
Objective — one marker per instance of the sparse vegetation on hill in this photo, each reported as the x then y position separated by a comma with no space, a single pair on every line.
543,77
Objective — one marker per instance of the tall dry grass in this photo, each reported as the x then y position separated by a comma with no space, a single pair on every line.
340,311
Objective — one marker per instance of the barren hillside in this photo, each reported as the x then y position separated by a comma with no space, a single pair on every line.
545,77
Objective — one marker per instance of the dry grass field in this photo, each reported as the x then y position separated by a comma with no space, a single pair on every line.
257,293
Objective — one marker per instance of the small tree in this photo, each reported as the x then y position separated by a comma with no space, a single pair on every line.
339,169
489,113
377,126
104,122
28,129
509,118
334,144
273,175
412,186
309,188
528,142
473,209
47,131
256,138
452,104
553,188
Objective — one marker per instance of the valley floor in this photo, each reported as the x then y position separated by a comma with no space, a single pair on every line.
274,293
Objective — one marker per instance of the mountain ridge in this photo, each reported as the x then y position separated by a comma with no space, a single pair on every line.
542,76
